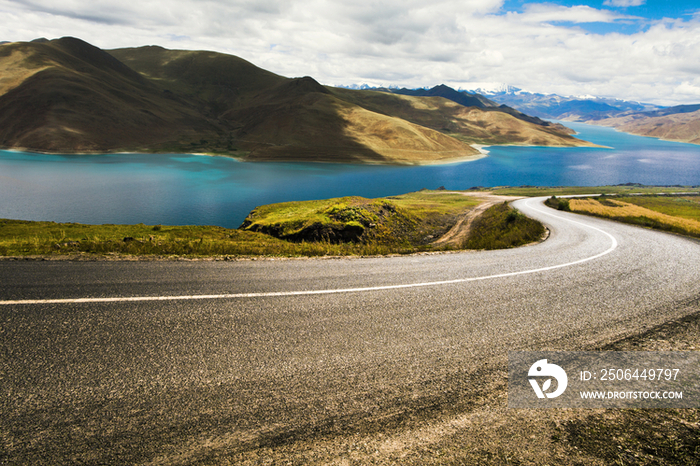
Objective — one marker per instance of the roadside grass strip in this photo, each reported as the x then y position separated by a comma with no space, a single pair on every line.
635,214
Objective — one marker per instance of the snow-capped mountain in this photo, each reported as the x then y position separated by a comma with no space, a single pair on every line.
492,89
546,106
557,107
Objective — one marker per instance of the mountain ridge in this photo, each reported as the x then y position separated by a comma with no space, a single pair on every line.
65,95
679,123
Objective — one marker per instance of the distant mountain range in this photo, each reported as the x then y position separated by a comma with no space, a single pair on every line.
66,95
568,108
680,123
541,106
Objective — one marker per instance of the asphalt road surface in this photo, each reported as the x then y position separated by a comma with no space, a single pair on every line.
160,362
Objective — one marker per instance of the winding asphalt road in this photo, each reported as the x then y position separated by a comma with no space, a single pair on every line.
175,362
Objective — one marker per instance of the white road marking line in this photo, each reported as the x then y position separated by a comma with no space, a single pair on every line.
269,294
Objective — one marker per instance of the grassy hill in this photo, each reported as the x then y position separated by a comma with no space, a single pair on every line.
66,95
469,100
474,125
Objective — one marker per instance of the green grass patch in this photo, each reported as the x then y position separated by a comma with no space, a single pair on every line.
396,225
23,238
535,191
19,238
501,227
678,206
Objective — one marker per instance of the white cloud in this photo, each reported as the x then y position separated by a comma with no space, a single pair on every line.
401,42
689,89
624,3
543,13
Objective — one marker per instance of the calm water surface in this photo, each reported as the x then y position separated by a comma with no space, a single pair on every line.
181,189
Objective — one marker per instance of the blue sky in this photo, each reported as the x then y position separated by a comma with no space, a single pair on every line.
649,9
643,50
637,15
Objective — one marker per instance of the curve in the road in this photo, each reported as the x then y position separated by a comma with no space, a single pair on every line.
526,205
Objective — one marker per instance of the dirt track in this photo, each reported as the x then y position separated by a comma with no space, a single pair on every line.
460,231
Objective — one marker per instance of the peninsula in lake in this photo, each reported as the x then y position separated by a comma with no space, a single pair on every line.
67,96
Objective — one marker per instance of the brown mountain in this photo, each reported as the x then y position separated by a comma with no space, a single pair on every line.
681,123
66,95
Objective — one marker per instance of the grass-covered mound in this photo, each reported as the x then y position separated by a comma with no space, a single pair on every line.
559,204
501,227
410,222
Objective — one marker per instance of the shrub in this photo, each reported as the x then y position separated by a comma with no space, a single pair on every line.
501,227
559,204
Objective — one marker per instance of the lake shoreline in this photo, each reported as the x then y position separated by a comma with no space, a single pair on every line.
217,189
480,148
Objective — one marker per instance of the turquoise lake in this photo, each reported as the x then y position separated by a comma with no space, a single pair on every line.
183,189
